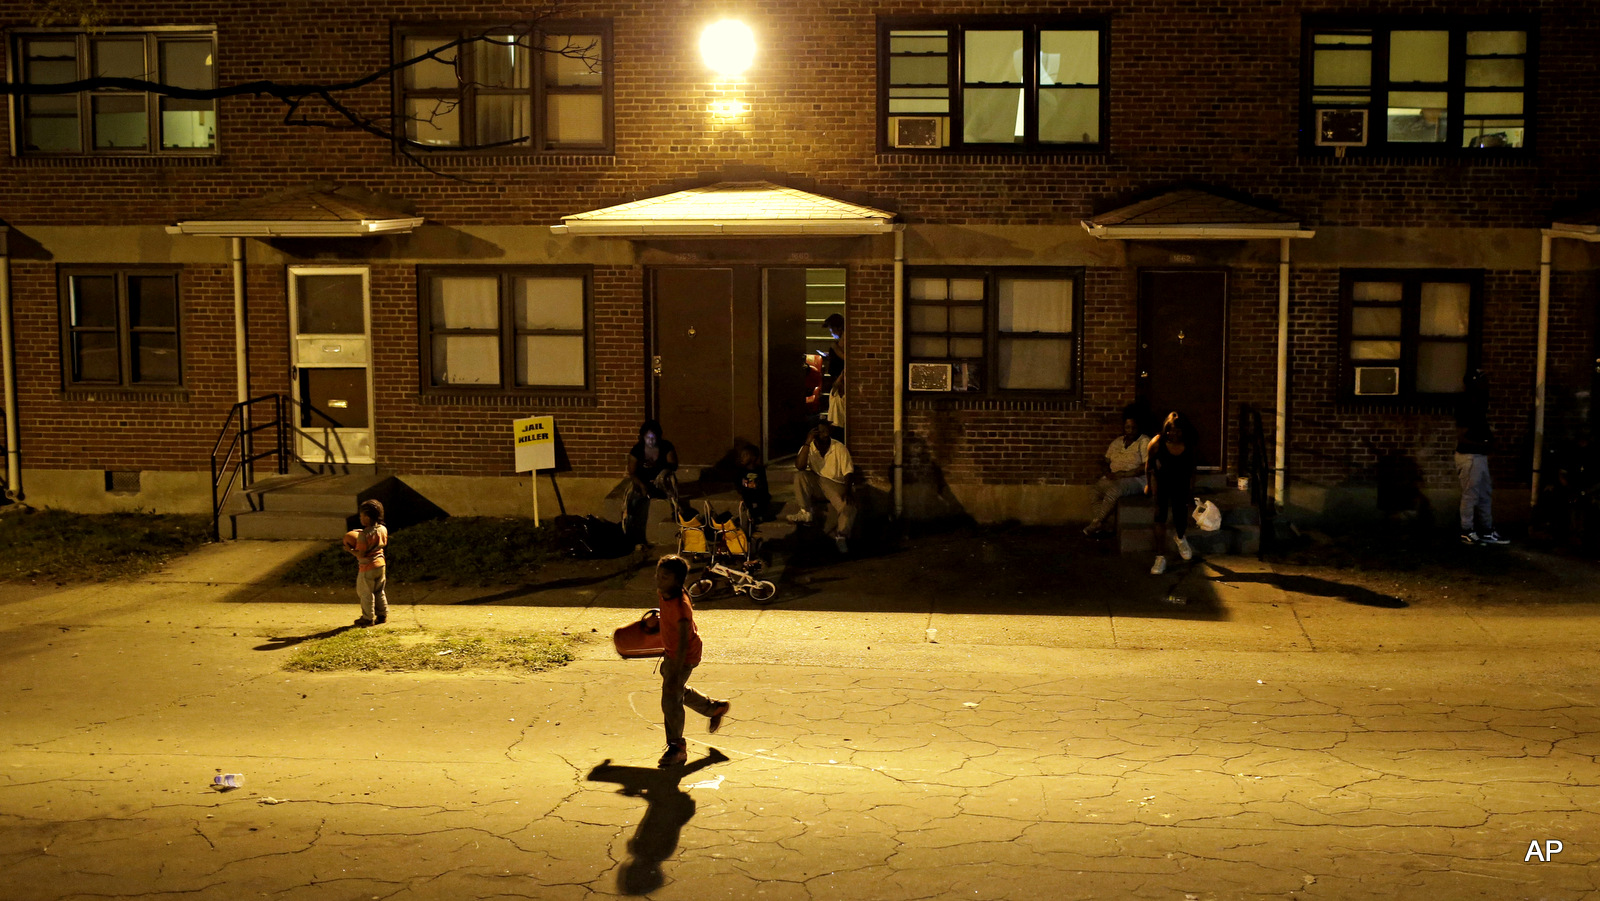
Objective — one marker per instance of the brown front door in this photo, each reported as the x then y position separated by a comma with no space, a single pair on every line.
1183,352
693,351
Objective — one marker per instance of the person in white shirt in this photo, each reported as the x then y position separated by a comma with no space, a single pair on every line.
1124,473
824,471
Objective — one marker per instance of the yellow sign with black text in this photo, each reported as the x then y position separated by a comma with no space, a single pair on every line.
535,442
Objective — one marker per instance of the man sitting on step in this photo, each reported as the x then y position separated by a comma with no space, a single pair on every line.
824,471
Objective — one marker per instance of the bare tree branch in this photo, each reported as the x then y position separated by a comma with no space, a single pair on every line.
390,126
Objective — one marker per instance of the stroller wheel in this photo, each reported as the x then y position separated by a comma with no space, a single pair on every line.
699,588
762,591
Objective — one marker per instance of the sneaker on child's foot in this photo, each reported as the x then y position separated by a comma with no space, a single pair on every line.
1184,550
1469,537
718,711
1158,567
380,619
1492,537
1092,529
363,622
803,516
677,755
843,545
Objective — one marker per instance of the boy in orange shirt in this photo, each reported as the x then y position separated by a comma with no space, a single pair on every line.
682,643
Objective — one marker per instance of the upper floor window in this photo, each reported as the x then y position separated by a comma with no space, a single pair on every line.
549,90
1408,335
114,120
1425,85
505,329
993,331
119,327
984,84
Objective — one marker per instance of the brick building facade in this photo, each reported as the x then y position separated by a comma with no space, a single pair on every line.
1409,164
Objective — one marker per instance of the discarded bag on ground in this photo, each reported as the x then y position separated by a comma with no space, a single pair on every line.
1207,516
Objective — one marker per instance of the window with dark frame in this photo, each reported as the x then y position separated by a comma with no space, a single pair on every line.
119,328
1408,335
1455,85
505,330
965,84
1000,332
115,121
548,90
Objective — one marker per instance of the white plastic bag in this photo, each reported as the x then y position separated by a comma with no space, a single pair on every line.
1207,516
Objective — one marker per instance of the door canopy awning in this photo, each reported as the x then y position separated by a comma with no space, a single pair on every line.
735,209
315,211
1193,215
1583,227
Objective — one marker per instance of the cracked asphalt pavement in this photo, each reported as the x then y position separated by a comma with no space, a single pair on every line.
904,727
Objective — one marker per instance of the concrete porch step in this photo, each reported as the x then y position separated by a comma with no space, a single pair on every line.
275,526
322,506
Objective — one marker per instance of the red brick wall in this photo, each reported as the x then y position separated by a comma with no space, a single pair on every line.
427,435
1203,93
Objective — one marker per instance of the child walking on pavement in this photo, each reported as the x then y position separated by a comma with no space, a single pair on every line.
372,567
682,643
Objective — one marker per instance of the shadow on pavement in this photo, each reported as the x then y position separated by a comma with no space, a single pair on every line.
526,592
279,642
1312,585
668,808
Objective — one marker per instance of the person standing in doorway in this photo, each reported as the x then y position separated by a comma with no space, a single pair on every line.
1124,471
1169,478
833,373
681,641
1474,441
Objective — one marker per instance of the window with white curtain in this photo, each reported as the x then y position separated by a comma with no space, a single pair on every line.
513,91
1001,331
1409,335
506,330
1440,84
1023,82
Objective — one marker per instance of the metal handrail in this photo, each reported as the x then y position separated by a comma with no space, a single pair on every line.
243,445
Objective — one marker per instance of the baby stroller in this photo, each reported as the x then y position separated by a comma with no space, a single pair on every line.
730,553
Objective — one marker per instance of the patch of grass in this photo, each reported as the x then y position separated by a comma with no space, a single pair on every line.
468,551
417,650
54,546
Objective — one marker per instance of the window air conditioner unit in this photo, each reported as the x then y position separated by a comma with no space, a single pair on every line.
1377,380
1341,128
925,132
929,377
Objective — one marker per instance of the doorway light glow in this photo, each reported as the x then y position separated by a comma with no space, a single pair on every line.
728,47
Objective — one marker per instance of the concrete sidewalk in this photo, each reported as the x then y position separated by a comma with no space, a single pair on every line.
935,722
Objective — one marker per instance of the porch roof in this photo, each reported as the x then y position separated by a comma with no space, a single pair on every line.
755,208
1194,215
1582,226
317,211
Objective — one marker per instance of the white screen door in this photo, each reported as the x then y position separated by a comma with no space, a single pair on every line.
330,359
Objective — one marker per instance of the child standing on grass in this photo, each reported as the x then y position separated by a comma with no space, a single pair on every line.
682,643
372,569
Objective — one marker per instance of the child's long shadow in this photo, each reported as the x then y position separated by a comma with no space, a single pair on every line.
279,642
667,809
1355,594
